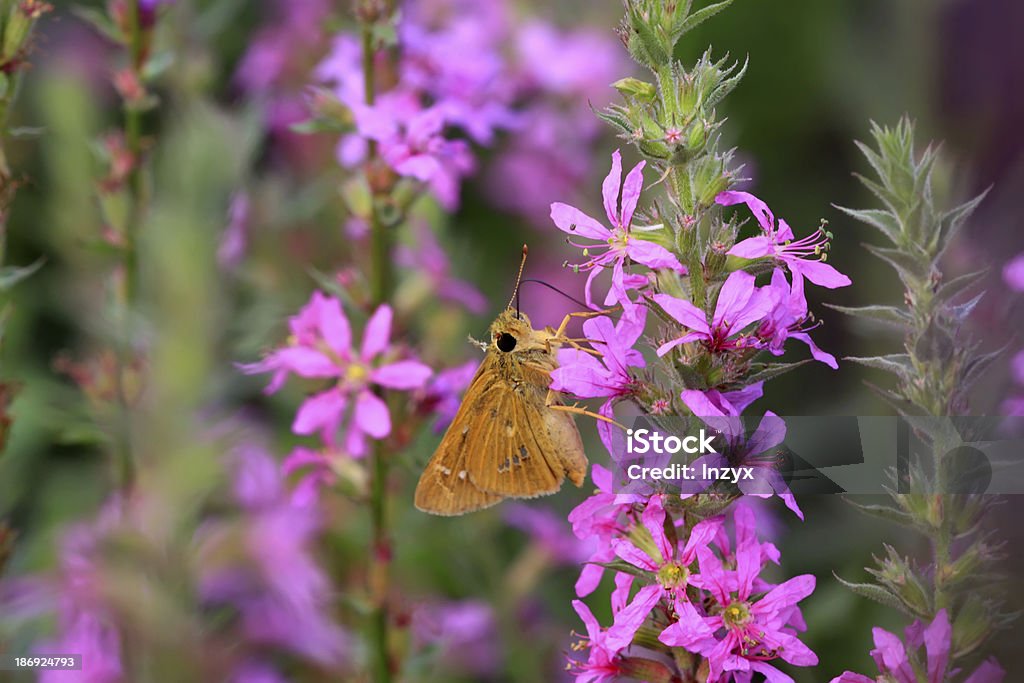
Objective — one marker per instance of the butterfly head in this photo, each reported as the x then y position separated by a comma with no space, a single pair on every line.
511,331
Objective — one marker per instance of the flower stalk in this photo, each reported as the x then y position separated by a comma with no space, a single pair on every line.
934,373
370,14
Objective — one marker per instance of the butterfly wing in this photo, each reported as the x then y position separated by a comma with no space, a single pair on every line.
444,487
527,448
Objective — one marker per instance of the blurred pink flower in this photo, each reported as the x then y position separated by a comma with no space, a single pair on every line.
549,531
464,631
1013,273
321,348
430,260
443,394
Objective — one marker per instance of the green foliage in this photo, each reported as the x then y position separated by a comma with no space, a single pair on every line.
933,376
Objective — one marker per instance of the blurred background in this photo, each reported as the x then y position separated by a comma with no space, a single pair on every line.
245,220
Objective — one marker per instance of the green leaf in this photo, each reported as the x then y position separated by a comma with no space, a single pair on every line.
621,566
885,221
12,275
896,363
911,271
157,65
885,512
884,314
953,220
876,593
699,17
768,371
958,285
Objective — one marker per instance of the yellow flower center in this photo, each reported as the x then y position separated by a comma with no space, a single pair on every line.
737,614
673,575
356,373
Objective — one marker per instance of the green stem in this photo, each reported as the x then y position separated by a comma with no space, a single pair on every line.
129,296
380,278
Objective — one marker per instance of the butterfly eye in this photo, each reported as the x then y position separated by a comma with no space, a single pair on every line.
506,342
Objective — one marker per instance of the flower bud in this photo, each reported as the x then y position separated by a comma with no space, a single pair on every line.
636,89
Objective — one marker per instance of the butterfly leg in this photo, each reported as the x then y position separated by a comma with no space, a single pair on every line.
576,410
559,339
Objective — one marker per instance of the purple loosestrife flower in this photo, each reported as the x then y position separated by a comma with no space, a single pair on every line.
894,663
602,662
282,594
787,317
714,402
804,258
412,143
443,393
599,517
665,560
321,348
754,452
87,633
609,377
619,242
742,633
740,303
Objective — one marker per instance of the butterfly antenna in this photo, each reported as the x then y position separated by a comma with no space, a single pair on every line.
556,289
519,279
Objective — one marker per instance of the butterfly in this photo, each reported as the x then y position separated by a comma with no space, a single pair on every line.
511,437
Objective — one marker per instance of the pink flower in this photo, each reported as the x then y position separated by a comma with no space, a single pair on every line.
893,661
740,303
742,633
443,394
804,258
412,143
714,402
614,245
787,317
321,348
608,376
599,517
602,663
668,564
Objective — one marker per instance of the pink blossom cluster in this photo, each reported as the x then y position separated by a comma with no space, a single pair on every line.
349,412
675,568
255,559
465,73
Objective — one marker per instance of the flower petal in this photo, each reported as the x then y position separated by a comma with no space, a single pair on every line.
631,194
631,618
573,221
377,334
610,189
402,375
764,215
320,412
334,326
372,415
